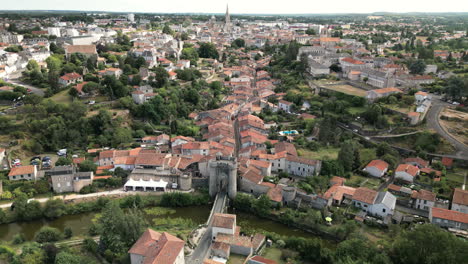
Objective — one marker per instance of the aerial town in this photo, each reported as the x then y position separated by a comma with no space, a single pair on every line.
221,138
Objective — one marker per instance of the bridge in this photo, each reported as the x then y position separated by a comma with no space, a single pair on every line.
204,244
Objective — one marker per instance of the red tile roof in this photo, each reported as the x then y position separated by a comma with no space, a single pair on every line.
424,195
157,248
365,195
460,196
421,162
227,221
408,168
449,215
447,162
275,194
352,61
22,170
263,260
379,164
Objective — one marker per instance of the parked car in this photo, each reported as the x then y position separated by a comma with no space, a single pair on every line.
46,158
62,152
92,102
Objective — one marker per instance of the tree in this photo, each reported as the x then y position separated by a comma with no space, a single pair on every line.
54,208
310,31
346,156
428,244
167,30
31,253
48,234
67,232
208,50
417,67
119,231
87,165
25,210
457,87
262,206
62,161
238,43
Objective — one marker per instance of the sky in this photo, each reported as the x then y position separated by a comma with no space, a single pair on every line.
242,6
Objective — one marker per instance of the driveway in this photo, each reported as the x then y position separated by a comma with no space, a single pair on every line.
35,90
432,119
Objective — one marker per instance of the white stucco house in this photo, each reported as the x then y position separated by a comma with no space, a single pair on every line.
376,168
406,172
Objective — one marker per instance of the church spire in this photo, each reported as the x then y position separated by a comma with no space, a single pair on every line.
227,22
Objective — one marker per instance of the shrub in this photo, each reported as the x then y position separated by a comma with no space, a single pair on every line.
48,234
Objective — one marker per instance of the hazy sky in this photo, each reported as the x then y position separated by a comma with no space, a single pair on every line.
242,6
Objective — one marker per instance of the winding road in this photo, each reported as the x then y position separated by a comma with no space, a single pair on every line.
432,120
34,89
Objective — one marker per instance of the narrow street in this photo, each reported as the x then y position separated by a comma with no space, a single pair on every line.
34,89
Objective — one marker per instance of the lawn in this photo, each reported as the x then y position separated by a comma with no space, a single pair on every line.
62,97
366,155
347,89
273,254
330,153
361,181
404,110
236,259
356,110
456,175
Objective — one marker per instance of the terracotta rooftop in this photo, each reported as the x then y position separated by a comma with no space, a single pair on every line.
22,170
460,197
365,195
379,164
424,195
227,221
408,168
157,248
417,160
449,215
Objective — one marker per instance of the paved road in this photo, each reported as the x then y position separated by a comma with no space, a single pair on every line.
432,119
34,89
203,247
77,196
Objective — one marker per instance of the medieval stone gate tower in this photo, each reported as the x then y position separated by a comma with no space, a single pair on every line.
223,176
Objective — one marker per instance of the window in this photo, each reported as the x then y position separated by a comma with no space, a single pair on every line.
365,205
58,185
425,202
383,210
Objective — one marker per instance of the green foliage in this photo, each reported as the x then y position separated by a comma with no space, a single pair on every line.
428,244
417,66
67,232
18,239
178,199
156,211
87,165
31,253
62,161
54,208
208,50
119,231
238,43
48,234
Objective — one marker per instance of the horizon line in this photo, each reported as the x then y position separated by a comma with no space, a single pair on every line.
205,13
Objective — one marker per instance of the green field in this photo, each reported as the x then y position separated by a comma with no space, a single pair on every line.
330,153
456,175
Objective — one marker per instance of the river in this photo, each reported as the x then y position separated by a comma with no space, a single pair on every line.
80,223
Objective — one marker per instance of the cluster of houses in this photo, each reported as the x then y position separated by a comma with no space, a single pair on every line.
164,248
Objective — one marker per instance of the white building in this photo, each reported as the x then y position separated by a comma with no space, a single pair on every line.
423,200
376,168
54,31
224,224
406,172
285,106
301,166
374,203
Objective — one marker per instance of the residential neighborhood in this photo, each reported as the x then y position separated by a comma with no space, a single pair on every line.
140,137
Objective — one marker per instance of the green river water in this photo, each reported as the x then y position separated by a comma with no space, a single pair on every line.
80,223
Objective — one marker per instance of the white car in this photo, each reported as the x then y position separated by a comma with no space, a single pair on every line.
456,103
92,102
